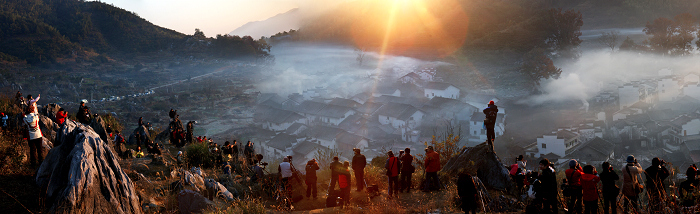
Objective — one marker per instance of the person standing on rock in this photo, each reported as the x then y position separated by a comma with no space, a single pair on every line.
432,166
491,113
234,150
311,178
548,188
392,167
31,120
359,161
407,170
31,103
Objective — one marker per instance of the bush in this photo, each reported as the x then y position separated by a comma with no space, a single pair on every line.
247,205
198,154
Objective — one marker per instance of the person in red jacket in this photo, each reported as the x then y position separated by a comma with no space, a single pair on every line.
573,175
392,166
344,182
432,166
61,116
589,184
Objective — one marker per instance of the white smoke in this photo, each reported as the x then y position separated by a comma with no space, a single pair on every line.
600,70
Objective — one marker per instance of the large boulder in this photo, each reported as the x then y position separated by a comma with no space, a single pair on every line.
50,110
481,161
143,131
192,202
82,175
163,137
48,127
100,127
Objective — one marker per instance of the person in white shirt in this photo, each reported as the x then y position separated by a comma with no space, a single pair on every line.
31,120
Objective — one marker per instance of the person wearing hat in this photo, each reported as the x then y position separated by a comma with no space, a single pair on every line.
285,169
573,176
630,185
359,161
689,187
491,113
655,176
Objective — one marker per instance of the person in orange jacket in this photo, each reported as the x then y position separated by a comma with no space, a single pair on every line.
61,116
432,166
589,184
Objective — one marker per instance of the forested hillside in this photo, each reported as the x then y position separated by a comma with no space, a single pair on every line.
45,30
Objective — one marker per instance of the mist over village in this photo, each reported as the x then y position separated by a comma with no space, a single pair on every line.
354,106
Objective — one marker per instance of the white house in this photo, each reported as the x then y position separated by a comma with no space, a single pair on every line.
692,90
333,114
667,89
280,145
276,119
560,143
685,125
481,101
440,89
400,116
628,94
386,90
347,141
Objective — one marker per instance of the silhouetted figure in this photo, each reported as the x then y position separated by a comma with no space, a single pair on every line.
687,189
655,176
407,170
466,189
335,168
190,131
311,178
547,193
358,166
248,152
610,189
491,113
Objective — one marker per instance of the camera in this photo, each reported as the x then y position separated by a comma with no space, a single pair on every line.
264,164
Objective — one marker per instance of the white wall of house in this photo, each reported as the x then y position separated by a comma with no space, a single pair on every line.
691,128
600,116
667,89
282,126
691,78
449,92
619,116
628,95
550,144
396,93
476,129
414,121
692,91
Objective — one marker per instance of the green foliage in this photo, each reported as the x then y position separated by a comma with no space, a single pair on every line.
197,154
538,66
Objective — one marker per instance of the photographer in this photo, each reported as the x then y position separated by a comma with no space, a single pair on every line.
610,190
655,175
630,184
311,179
689,187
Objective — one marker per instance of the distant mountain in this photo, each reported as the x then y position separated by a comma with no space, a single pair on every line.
278,23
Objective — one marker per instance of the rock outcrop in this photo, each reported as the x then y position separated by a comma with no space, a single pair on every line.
143,132
163,137
82,175
50,110
100,127
48,127
482,162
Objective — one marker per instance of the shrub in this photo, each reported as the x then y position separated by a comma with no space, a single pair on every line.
248,205
198,154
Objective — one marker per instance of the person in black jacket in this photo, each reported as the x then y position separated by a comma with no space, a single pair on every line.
358,166
249,152
610,189
490,122
548,189
334,167
687,189
656,174
311,178
466,189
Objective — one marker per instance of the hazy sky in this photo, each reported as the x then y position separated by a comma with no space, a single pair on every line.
211,16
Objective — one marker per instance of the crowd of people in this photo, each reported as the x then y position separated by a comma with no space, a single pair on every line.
580,187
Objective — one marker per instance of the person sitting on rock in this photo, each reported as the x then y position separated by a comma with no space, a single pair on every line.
153,148
180,158
61,116
139,153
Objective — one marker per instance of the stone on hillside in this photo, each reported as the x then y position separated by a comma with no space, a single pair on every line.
192,202
100,127
163,137
47,145
216,189
48,127
50,110
82,175
143,131
482,162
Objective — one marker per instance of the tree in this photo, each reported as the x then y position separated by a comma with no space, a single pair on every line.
609,39
671,36
360,55
537,65
564,30
198,34
628,45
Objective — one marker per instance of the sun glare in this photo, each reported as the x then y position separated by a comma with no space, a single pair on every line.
401,26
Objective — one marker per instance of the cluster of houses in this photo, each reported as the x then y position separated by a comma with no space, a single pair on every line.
392,114
657,117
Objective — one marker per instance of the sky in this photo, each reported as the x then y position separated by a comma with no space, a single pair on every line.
211,16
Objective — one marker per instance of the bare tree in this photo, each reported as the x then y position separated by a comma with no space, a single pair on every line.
360,55
609,39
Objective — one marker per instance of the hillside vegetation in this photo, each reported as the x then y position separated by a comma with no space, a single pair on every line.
39,31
